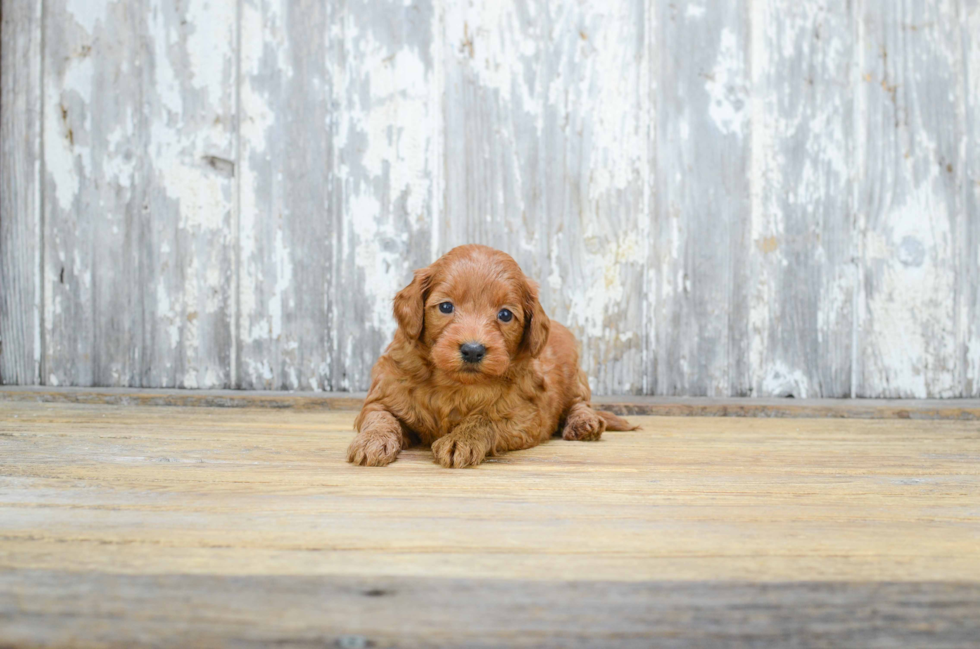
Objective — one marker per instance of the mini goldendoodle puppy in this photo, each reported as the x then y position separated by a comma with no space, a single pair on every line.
476,368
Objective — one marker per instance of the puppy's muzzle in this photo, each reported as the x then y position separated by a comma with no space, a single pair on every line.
472,352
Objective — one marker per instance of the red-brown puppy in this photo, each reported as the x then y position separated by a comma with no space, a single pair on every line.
476,368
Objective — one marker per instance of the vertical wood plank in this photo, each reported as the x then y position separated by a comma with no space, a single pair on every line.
139,151
548,158
767,198
702,199
968,270
495,164
387,139
800,318
910,198
93,151
289,203
187,253
20,204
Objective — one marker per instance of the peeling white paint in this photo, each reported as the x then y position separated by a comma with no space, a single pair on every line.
970,315
178,156
378,259
389,107
87,13
166,84
60,160
67,153
191,50
799,174
604,295
766,218
203,201
480,34
563,179
212,26
726,87
910,305
257,121
695,10
259,368
164,310
619,149
284,279
394,123
782,381
435,158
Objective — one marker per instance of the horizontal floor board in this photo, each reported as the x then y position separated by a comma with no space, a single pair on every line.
45,608
134,525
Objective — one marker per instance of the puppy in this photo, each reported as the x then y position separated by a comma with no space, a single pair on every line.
476,368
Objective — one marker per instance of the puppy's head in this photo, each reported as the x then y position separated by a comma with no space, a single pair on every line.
475,313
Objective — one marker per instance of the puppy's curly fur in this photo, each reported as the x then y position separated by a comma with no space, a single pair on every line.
522,385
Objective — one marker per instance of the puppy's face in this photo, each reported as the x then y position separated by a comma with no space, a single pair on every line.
475,313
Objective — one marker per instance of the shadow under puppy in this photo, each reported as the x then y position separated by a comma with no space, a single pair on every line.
476,368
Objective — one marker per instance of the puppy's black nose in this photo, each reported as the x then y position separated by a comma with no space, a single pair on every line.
472,352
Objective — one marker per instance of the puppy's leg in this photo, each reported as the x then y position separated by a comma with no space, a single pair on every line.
466,445
583,424
379,441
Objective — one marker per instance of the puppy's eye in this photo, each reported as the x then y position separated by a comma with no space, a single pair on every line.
446,307
505,315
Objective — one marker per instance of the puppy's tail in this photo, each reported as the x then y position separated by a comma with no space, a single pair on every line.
615,422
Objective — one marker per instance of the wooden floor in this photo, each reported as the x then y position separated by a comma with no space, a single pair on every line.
167,526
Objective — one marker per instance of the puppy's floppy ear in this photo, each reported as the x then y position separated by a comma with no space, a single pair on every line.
536,323
410,304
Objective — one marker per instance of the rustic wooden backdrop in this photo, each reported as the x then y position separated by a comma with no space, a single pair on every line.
739,197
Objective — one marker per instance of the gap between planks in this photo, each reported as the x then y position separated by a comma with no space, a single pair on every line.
922,409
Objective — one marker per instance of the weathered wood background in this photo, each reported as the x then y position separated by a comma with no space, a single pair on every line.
751,197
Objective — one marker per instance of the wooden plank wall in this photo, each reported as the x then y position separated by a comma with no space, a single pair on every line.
20,192
750,198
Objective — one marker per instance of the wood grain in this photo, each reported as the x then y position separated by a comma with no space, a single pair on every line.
290,211
20,193
800,317
910,205
389,105
232,491
702,199
139,140
188,254
548,157
93,194
45,608
761,199
968,270
246,527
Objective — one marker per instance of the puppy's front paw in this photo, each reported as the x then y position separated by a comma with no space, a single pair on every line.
457,452
583,425
373,449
